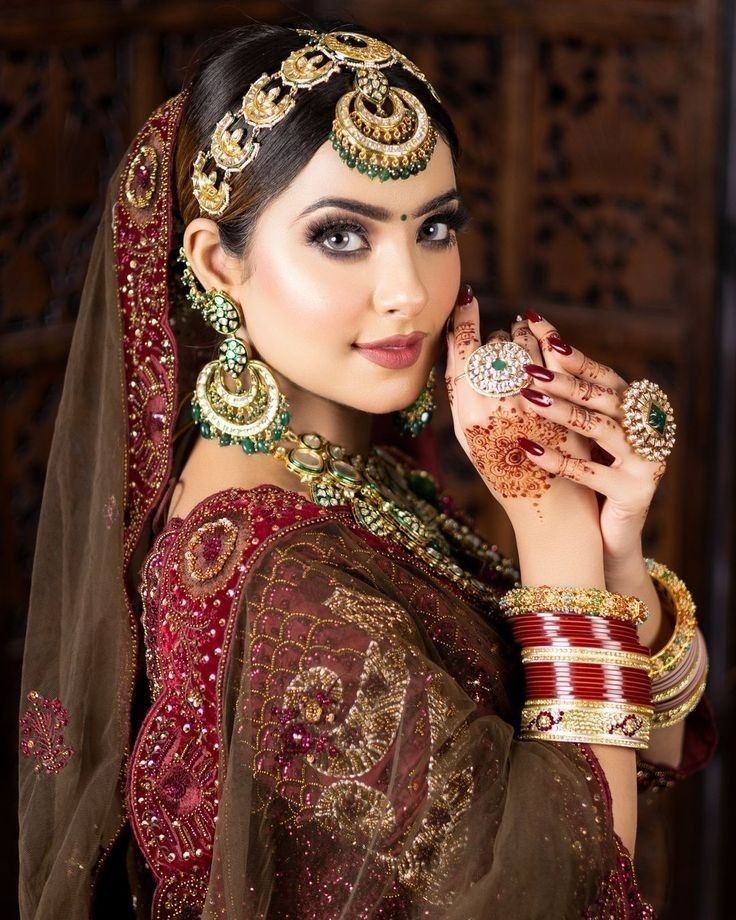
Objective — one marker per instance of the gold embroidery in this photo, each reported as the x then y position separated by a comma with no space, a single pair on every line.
209,548
355,745
356,811
435,851
376,615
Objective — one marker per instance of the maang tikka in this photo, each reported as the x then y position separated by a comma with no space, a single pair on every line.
381,130
255,415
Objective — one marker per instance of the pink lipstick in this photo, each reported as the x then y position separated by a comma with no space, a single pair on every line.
395,352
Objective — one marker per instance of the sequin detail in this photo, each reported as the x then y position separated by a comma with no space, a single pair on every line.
42,728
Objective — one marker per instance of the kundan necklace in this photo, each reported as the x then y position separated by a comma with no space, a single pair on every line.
397,504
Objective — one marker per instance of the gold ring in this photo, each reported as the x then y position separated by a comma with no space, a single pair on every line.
649,422
497,369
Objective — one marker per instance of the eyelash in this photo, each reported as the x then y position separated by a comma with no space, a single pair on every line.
456,219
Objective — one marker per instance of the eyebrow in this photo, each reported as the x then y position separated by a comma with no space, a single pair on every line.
376,213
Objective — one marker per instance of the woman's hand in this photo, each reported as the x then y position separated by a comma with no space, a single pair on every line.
585,397
488,429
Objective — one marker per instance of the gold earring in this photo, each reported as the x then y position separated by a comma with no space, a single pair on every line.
417,416
254,416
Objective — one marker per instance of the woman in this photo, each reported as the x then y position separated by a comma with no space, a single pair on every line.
269,671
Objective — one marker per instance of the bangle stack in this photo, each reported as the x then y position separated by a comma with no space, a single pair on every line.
679,670
587,675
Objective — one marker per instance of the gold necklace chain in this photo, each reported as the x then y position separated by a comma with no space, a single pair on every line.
395,504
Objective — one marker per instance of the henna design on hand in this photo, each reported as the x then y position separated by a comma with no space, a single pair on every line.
465,334
593,369
504,466
450,384
581,419
585,390
572,467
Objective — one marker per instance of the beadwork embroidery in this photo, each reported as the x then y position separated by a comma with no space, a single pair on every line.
43,733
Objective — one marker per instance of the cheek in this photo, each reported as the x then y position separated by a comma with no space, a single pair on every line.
300,299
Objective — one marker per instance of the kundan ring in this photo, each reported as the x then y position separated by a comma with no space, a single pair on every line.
649,422
497,369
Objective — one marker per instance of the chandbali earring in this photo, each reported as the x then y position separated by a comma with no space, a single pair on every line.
256,414
416,416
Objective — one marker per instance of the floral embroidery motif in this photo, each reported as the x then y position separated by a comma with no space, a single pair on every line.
140,181
310,702
355,745
43,733
377,616
209,549
438,846
356,811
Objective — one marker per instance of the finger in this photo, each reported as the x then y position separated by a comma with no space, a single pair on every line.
499,335
466,330
576,390
451,373
600,428
596,477
560,355
521,334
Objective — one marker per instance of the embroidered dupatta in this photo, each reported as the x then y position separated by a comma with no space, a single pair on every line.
285,715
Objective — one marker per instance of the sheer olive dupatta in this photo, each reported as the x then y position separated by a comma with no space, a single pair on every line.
353,755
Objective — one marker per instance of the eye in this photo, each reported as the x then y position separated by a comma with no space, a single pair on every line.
435,230
337,238
342,240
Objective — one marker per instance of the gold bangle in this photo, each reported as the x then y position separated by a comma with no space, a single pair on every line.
588,721
673,716
585,656
593,602
670,656
693,665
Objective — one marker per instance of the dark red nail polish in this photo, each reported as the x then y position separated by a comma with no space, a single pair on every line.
539,399
562,347
530,446
532,316
539,373
465,295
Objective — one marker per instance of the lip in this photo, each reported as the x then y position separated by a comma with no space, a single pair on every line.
395,352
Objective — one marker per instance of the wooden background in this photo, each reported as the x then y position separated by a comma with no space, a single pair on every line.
594,140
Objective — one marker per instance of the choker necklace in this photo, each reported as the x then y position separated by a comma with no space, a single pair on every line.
396,504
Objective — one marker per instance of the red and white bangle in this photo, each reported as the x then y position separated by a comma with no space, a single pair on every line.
587,677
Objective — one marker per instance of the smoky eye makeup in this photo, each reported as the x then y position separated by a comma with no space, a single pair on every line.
333,234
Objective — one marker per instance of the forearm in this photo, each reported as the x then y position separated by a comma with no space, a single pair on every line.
574,557
630,576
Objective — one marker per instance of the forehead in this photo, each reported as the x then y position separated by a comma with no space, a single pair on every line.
326,174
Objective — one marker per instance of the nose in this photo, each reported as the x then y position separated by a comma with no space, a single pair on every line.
399,288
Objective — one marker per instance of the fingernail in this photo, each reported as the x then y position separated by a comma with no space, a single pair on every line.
465,295
532,316
562,347
530,446
519,318
539,373
534,396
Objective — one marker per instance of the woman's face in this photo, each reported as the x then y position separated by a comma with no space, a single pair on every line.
339,261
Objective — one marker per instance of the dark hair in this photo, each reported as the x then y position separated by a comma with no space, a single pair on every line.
227,66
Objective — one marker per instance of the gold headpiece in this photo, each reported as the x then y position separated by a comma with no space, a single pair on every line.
382,131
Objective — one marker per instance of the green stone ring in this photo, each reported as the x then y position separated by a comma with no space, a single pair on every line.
497,369
649,422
